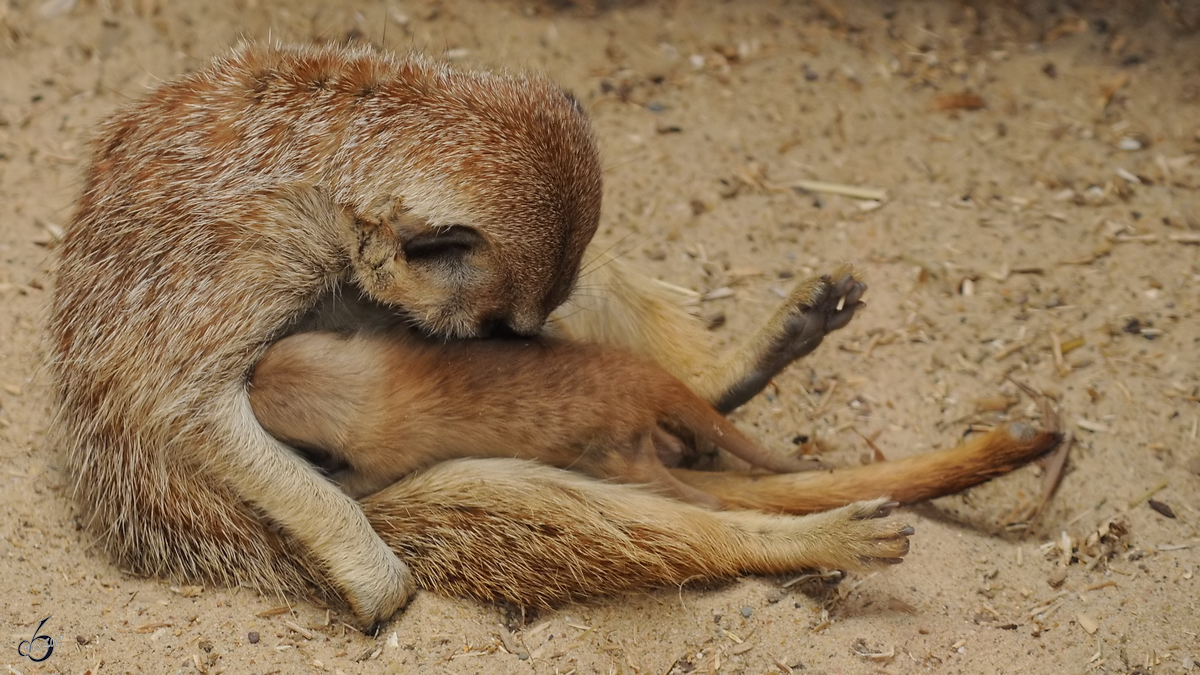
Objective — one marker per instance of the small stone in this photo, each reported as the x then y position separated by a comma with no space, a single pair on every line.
1057,578
774,595
253,637
1129,144
82,640
1163,508
747,612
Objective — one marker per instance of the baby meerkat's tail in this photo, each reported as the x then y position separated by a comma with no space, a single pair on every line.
520,531
908,480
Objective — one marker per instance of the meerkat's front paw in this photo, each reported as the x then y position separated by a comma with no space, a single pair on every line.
866,537
375,595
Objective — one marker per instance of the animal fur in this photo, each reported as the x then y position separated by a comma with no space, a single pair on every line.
224,210
379,406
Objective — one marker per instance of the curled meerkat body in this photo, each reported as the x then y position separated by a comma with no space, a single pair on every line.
216,211
385,405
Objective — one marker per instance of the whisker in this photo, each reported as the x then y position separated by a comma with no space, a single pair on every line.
584,268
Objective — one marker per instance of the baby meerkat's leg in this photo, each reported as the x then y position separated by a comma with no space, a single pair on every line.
624,308
908,480
513,530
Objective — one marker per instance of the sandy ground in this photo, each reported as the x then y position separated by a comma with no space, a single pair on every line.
1064,211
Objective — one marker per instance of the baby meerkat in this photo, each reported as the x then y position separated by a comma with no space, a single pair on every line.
380,406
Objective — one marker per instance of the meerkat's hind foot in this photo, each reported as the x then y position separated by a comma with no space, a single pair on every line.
817,307
864,536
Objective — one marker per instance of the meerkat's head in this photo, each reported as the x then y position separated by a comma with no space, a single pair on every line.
478,196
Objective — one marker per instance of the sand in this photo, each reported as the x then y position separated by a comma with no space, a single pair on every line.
1041,173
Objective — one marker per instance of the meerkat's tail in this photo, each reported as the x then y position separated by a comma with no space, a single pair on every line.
519,531
908,480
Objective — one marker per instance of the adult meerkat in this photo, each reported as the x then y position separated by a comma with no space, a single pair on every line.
221,209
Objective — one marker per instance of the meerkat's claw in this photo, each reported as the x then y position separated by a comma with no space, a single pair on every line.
846,293
879,562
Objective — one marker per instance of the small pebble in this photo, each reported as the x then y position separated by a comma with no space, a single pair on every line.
1129,144
774,595
747,612
253,637
1163,508
1057,578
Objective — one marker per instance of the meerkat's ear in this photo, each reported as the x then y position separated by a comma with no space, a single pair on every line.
446,243
415,239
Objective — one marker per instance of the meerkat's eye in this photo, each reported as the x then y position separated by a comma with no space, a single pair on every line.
454,241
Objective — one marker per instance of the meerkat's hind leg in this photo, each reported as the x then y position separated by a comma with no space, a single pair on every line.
519,531
815,308
627,309
655,474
